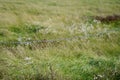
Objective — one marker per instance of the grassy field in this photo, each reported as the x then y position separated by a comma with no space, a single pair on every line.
93,55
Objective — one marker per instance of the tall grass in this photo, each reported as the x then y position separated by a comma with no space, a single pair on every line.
91,51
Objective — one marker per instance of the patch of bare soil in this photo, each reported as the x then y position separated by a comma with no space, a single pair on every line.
111,18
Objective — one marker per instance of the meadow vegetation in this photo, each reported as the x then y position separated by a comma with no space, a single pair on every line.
90,50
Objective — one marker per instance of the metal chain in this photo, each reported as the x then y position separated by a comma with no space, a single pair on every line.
38,41
51,40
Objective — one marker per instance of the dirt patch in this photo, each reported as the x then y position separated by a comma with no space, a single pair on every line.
111,18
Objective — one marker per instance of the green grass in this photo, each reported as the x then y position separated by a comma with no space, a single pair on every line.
95,56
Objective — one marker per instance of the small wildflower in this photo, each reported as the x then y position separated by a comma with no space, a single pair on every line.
29,39
19,39
96,77
100,76
27,58
29,63
95,21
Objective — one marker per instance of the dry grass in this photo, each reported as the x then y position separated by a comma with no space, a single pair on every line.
95,56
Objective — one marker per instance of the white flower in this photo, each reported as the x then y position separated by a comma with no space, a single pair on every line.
19,39
27,58
29,63
95,21
29,38
100,76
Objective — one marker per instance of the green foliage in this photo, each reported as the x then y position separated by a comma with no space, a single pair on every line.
95,55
